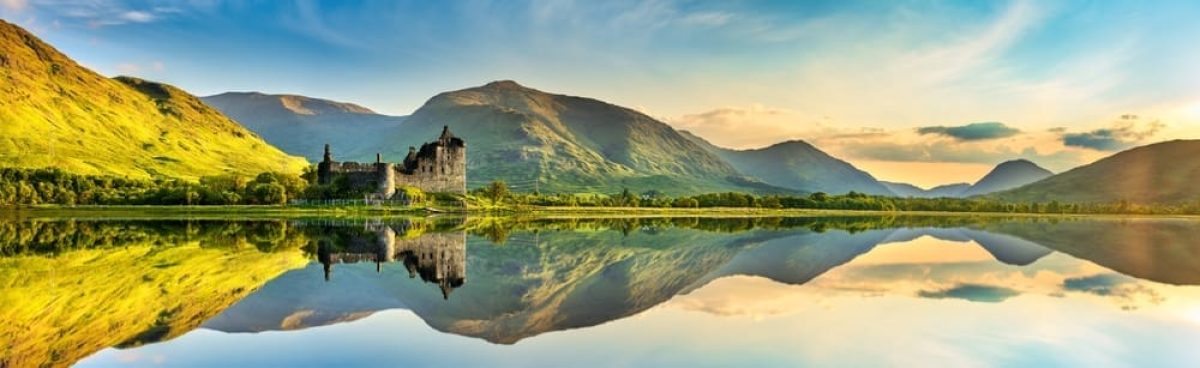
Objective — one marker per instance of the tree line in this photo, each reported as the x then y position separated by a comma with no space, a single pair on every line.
498,192
54,186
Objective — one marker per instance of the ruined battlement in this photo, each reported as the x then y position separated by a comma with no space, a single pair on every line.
438,166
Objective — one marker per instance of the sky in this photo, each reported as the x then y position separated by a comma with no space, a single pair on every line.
927,92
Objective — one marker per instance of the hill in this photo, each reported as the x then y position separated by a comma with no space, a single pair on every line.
908,190
56,113
1008,175
563,143
1164,172
797,165
904,189
302,125
948,190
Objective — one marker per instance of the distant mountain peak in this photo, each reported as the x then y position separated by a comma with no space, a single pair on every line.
791,143
504,84
303,125
296,104
1018,162
1008,175
797,165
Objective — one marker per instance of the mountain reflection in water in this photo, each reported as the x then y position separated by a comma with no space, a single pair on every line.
145,282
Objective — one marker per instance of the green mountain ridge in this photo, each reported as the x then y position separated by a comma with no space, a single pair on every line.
1165,172
56,113
799,166
302,125
564,144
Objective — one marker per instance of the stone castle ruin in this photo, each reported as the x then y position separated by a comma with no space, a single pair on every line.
439,166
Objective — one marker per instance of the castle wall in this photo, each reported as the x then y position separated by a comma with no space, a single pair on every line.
441,166
445,172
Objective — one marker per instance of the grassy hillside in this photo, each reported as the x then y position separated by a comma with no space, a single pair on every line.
1164,172
566,143
302,125
56,113
798,165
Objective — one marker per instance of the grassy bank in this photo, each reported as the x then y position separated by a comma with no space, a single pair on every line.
247,211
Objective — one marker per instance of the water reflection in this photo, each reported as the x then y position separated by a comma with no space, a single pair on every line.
124,284
438,257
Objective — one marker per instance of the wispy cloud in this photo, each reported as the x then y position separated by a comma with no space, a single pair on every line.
987,143
973,131
99,13
972,292
1124,133
974,50
706,19
750,126
137,16
896,149
309,18
1124,289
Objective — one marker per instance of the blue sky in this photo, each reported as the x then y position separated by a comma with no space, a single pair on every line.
743,73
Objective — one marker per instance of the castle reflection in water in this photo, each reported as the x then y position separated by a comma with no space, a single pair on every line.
437,257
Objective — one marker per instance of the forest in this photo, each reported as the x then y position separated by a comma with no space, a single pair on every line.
56,187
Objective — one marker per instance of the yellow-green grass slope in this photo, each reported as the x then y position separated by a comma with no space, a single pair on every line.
56,113
60,309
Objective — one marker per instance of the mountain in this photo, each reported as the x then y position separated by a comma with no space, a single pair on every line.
1008,175
904,189
908,190
1164,172
797,165
948,190
564,143
302,125
56,113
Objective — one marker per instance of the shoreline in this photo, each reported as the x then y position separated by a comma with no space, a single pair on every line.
256,211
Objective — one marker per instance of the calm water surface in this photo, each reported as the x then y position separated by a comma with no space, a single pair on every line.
842,291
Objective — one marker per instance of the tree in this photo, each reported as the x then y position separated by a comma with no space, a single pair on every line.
272,193
266,178
496,191
627,199
770,202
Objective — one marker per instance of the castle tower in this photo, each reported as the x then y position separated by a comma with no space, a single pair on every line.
410,161
325,168
386,177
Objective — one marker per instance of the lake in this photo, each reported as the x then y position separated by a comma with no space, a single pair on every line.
563,292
